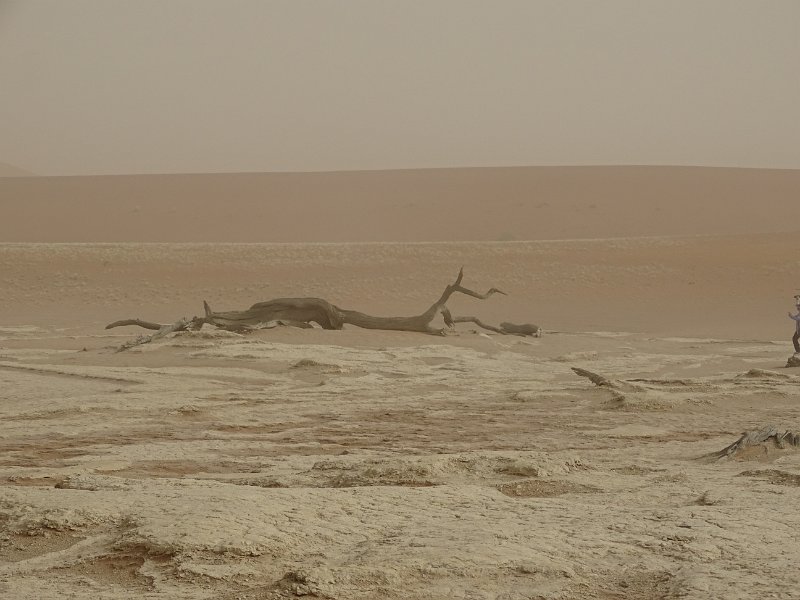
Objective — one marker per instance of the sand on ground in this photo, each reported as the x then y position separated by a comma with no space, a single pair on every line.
360,464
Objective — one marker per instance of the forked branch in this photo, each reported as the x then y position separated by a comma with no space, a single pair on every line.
302,312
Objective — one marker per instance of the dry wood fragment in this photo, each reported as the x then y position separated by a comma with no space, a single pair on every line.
137,322
766,437
522,329
633,385
179,325
595,378
479,323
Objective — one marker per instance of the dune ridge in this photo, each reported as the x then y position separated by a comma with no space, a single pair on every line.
469,204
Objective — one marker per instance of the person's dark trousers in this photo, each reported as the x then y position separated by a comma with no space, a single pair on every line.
796,341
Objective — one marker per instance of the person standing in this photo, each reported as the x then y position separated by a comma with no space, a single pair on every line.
796,318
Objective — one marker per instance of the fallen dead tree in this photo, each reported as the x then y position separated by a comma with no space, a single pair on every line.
302,312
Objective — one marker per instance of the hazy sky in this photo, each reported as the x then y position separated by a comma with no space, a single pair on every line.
135,86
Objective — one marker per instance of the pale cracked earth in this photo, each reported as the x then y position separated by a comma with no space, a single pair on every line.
358,464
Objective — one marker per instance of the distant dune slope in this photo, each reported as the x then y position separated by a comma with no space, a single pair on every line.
737,286
515,203
7,170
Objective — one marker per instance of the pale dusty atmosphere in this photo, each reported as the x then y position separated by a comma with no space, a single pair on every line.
399,355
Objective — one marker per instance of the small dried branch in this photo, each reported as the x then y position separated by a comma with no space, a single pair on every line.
180,325
595,378
479,323
137,322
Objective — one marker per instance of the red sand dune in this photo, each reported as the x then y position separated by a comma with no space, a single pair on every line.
518,203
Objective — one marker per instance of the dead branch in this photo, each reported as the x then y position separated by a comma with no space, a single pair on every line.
636,385
524,329
180,325
622,392
421,323
596,379
479,323
504,329
137,322
761,440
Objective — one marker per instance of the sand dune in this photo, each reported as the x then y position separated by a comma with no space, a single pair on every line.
721,286
491,204
360,464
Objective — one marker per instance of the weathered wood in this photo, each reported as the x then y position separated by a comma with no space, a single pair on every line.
285,323
304,311
523,329
480,323
504,328
624,385
621,392
180,325
764,437
137,322
330,316
595,378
